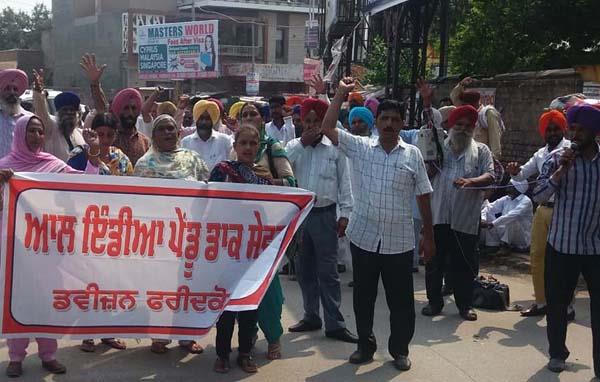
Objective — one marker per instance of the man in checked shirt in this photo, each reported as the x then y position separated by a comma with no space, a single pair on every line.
381,233
572,176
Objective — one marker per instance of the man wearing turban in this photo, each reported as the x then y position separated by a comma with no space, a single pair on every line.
552,127
126,106
457,199
63,132
489,128
572,176
508,219
320,167
13,83
213,146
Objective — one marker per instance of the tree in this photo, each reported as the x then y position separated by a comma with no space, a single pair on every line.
376,62
498,36
19,30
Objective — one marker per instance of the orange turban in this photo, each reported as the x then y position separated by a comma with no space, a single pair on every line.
554,116
356,97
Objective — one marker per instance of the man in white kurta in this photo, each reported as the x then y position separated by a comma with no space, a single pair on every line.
508,219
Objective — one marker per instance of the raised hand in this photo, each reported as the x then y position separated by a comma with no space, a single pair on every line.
89,66
346,85
424,88
91,138
38,80
317,83
466,81
183,102
513,168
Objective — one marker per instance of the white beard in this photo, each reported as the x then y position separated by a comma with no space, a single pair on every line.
459,142
10,108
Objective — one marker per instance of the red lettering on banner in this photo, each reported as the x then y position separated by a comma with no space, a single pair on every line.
260,236
212,238
98,227
57,228
183,298
106,300
233,244
190,231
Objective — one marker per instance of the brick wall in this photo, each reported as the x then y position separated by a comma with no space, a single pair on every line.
522,97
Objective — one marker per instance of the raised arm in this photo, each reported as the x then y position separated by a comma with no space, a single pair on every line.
148,103
40,102
329,125
94,74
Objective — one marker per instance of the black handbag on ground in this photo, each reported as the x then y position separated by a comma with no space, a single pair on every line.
489,293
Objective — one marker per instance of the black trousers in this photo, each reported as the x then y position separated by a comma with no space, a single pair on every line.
247,321
561,276
456,255
397,277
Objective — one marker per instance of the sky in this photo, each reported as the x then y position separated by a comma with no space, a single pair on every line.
24,5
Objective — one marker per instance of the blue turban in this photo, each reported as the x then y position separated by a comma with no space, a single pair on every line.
363,114
296,109
585,115
66,99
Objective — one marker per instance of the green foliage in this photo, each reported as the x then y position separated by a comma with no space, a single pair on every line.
19,30
499,36
376,62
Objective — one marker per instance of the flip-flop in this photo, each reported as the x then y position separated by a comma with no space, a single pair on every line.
193,347
114,343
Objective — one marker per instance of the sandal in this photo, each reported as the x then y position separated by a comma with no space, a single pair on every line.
193,347
274,351
222,365
246,363
88,346
159,348
114,343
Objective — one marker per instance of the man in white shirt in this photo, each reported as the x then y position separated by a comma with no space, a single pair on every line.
212,146
552,127
320,167
279,128
381,230
64,132
507,221
13,83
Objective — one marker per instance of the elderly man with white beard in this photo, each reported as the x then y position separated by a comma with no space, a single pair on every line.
13,83
466,168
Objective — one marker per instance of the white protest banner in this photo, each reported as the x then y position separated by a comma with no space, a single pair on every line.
97,256
488,95
178,50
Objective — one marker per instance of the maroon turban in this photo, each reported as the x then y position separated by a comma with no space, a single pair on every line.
219,104
123,98
464,111
470,97
313,104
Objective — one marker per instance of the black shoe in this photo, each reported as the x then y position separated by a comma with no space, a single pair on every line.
304,326
360,356
402,363
571,316
351,284
341,268
343,335
534,311
285,270
468,315
431,310
447,290
556,365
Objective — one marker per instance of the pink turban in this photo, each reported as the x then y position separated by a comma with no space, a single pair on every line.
15,77
372,104
465,111
313,104
123,98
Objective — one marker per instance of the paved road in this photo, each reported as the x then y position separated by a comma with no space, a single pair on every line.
501,346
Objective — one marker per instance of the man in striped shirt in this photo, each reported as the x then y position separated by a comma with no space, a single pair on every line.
457,198
572,176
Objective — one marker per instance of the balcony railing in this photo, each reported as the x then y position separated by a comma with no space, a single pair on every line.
240,51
